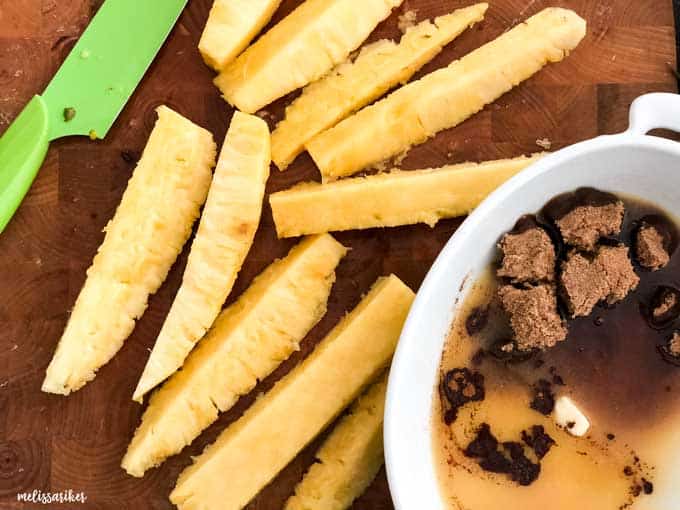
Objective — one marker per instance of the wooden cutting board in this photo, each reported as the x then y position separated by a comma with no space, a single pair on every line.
52,443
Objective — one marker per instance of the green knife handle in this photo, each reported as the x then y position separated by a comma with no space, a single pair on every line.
22,151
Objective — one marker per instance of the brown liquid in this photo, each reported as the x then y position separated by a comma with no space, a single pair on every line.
612,369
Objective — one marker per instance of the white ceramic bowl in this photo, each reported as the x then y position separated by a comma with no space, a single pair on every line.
631,163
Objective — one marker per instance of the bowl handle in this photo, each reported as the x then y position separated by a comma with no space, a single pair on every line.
652,111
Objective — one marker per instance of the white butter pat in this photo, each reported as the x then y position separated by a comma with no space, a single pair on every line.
570,417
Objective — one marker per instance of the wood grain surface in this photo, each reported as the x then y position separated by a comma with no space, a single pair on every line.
53,443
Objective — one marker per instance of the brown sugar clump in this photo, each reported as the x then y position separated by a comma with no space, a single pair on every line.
544,399
668,302
663,308
649,248
582,284
585,281
618,270
461,386
533,316
538,440
674,345
528,257
508,457
477,320
586,224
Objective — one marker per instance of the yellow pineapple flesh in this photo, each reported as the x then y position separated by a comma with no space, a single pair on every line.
304,46
150,226
348,459
231,25
248,341
250,453
446,97
350,86
225,234
390,199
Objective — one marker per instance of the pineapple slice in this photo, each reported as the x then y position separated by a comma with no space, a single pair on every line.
251,451
379,67
349,458
147,232
248,341
390,199
446,97
226,231
231,25
304,46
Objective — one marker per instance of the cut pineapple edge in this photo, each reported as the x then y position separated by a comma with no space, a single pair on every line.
349,458
225,234
231,25
247,342
350,86
253,450
446,97
300,49
153,221
390,199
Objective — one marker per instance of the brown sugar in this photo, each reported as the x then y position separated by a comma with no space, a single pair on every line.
538,440
582,284
459,387
618,270
533,316
528,257
543,400
663,308
649,248
585,281
508,457
586,224
668,302
674,345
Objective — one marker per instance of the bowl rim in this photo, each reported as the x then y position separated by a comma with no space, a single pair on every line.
397,473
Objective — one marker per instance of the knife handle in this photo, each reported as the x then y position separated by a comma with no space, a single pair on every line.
22,151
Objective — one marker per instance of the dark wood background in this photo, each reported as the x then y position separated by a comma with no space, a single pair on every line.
53,443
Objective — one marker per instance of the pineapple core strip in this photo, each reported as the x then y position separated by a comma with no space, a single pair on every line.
248,341
231,25
147,232
304,46
349,458
390,199
446,97
225,234
378,68
251,452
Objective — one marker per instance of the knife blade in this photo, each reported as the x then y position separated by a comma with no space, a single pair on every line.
89,90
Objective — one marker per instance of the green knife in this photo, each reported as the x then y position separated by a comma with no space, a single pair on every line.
89,91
